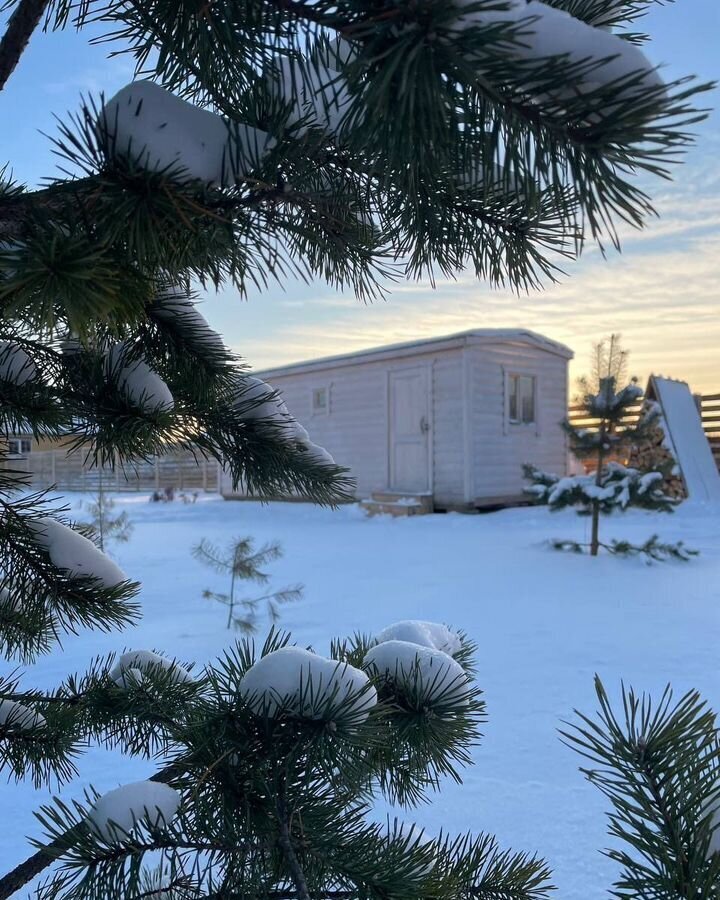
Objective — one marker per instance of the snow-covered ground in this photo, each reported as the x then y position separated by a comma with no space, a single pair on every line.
544,622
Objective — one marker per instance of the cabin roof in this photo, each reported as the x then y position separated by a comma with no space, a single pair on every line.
473,337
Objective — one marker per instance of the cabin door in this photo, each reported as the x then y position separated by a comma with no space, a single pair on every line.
409,395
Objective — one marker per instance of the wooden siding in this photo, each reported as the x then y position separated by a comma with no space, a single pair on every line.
356,429
448,435
499,448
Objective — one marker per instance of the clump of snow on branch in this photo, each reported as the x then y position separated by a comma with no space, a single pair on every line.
615,488
131,667
141,386
115,814
15,715
268,408
75,554
607,401
541,31
432,673
305,684
15,365
317,455
163,133
425,634
174,306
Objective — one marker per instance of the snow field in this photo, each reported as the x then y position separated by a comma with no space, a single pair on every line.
544,623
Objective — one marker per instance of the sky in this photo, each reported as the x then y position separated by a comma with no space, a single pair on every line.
661,293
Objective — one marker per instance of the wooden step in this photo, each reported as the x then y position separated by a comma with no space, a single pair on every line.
403,507
406,498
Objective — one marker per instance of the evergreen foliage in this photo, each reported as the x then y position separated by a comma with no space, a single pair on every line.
103,525
611,486
242,562
659,766
273,802
353,142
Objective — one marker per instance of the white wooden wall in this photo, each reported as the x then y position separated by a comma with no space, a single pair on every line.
355,429
500,448
448,428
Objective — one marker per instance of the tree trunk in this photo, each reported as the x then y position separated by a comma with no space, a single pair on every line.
594,539
594,535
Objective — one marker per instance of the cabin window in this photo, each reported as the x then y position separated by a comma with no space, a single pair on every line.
320,401
19,446
521,399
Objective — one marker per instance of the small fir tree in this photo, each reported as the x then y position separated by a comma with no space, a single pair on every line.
241,562
611,486
103,525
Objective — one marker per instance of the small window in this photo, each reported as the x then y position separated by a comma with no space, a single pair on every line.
19,446
521,399
320,403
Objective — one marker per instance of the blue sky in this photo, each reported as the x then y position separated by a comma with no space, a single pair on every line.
662,293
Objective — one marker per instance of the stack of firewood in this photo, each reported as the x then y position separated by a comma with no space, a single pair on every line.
654,452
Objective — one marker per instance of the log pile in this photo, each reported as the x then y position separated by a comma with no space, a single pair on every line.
654,453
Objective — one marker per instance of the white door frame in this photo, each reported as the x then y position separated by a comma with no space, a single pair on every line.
426,368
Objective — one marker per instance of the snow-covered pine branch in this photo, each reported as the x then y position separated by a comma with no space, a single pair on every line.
74,554
617,488
117,813
136,381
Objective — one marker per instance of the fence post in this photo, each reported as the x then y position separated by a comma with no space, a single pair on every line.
157,474
53,477
204,476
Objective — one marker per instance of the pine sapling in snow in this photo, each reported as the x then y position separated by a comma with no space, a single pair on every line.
610,486
241,562
104,526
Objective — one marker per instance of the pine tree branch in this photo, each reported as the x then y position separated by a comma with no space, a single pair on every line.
21,25
683,883
22,874
286,845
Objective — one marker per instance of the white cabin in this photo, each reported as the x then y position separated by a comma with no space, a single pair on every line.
453,418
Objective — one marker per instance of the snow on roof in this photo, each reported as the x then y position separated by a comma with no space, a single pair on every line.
425,345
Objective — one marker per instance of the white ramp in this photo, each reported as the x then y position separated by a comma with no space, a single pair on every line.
686,438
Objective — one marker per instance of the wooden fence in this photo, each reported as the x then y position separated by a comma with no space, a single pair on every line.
708,406
70,472
710,411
